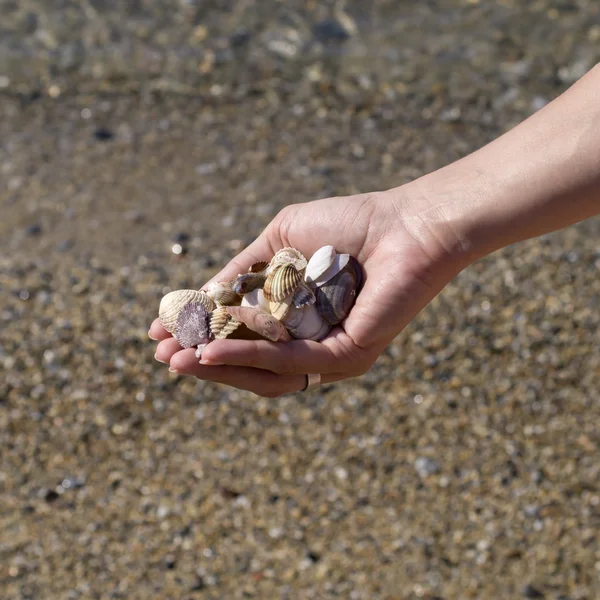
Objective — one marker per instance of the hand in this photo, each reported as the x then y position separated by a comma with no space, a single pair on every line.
404,265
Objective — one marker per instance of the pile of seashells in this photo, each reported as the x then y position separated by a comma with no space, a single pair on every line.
284,299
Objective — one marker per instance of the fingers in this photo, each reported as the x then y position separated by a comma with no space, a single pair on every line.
336,354
157,331
260,382
166,349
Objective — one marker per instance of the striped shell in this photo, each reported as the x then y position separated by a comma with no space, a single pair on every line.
336,297
280,309
248,282
282,282
306,323
288,255
258,267
173,303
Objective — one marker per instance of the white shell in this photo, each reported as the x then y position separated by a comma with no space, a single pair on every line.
172,304
320,261
339,262
306,323
256,299
288,255
222,293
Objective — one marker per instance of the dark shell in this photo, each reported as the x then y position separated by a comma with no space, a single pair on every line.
258,267
336,297
192,326
248,282
303,296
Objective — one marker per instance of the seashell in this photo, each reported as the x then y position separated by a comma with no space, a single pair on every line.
303,296
222,293
259,267
288,255
248,282
172,304
218,318
261,322
256,299
306,323
336,297
319,262
192,326
230,327
339,262
282,282
280,309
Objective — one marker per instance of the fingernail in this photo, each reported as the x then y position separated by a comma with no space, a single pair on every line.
211,363
172,370
164,362
152,338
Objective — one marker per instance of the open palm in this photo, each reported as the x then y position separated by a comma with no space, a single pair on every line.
398,282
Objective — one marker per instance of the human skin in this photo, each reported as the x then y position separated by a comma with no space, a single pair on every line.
411,241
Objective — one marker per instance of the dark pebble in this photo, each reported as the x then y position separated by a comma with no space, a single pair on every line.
531,592
35,229
103,135
181,237
330,30
313,557
50,495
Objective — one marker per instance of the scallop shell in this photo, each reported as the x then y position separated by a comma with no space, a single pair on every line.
256,299
303,296
288,255
306,323
319,262
282,282
172,304
259,267
260,322
222,293
218,319
336,297
192,326
248,282
230,327
339,262
280,309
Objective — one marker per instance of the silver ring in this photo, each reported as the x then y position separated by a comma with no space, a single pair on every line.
312,381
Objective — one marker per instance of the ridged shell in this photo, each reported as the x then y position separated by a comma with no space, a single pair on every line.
258,267
319,262
336,297
303,296
222,293
229,328
218,319
282,282
339,262
288,255
306,323
192,326
172,304
248,282
280,309
256,299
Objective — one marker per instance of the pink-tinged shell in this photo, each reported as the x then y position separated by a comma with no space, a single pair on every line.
319,262
339,262
192,326
174,302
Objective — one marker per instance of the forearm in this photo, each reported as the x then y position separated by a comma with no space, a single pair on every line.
541,176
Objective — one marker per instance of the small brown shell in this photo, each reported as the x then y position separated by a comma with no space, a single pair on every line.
258,267
288,255
174,302
336,297
222,293
282,282
248,282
